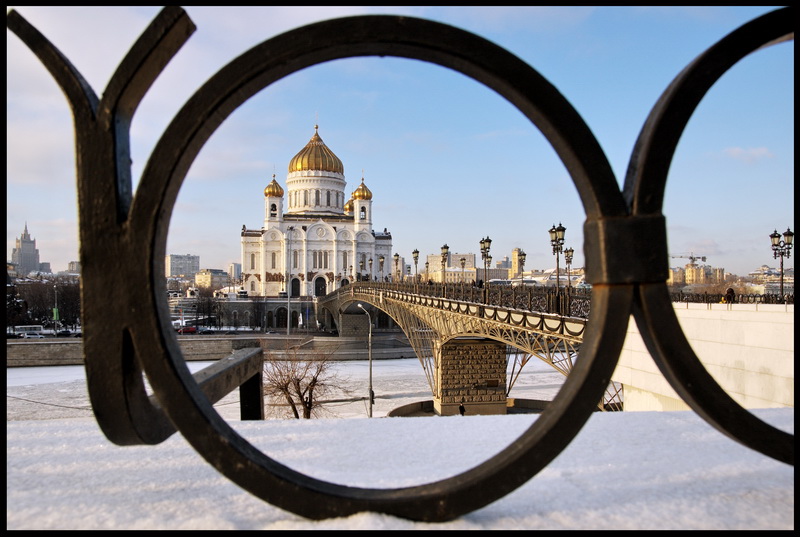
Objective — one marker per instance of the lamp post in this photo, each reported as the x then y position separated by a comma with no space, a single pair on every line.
522,255
55,309
427,278
289,231
782,248
370,270
486,244
381,259
463,261
361,270
568,260
396,265
445,252
557,240
415,255
369,346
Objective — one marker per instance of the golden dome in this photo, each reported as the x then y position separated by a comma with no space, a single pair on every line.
362,192
273,189
348,207
316,156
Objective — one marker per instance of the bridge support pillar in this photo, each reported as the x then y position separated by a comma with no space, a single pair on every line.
473,372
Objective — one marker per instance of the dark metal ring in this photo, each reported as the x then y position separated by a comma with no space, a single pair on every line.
644,188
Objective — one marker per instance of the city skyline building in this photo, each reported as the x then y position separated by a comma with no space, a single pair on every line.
315,237
25,255
186,265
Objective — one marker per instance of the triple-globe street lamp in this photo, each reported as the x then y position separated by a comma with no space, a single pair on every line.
486,244
415,256
557,241
568,260
445,252
381,259
396,266
782,248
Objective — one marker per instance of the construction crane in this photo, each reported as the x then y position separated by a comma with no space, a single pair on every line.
691,257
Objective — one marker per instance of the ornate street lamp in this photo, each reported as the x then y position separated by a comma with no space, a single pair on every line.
361,270
463,262
381,259
415,255
782,248
396,269
370,270
568,260
427,278
486,244
557,240
445,252
522,255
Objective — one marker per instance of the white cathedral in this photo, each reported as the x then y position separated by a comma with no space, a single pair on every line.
320,239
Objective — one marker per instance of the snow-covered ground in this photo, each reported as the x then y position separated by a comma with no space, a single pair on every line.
648,470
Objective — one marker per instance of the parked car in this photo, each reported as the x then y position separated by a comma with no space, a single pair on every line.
31,335
63,333
205,331
187,330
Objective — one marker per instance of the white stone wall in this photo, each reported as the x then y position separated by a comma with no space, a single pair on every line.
747,348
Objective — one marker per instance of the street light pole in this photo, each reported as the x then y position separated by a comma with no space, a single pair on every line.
55,310
557,240
290,229
396,269
463,262
370,270
782,248
445,251
369,346
415,255
486,244
522,256
381,259
568,260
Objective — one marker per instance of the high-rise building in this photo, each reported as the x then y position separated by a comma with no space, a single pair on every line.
182,265
323,240
26,256
235,271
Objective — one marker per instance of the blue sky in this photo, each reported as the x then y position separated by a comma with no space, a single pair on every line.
447,159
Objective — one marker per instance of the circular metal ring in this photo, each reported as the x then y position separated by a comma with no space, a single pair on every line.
538,100
644,186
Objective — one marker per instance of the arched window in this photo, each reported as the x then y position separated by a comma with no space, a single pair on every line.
325,263
363,213
314,259
328,195
252,286
294,259
273,209
305,197
344,261
252,261
274,259
316,198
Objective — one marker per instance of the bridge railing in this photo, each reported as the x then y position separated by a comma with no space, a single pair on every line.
566,302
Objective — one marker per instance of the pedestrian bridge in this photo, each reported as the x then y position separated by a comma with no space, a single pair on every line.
472,342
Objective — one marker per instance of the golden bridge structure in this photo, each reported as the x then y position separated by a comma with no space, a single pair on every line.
472,342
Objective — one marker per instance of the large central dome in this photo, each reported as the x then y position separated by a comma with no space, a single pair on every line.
316,156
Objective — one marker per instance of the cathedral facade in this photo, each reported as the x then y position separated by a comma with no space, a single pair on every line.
314,237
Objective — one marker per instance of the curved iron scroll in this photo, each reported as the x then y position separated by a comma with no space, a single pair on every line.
136,337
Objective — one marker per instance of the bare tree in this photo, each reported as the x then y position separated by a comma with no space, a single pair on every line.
298,382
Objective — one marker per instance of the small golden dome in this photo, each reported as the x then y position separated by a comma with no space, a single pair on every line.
316,156
348,207
273,189
362,192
